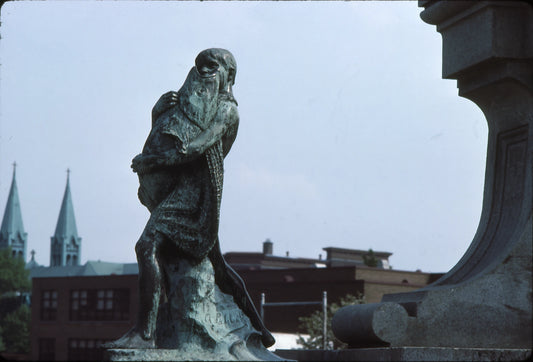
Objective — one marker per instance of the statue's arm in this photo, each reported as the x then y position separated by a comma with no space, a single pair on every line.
224,127
144,163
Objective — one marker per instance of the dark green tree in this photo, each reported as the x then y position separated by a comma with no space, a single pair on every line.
370,259
16,330
2,345
14,277
14,316
312,325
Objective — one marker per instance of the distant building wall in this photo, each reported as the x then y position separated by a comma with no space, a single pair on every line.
307,284
54,333
298,285
63,330
384,281
375,291
393,276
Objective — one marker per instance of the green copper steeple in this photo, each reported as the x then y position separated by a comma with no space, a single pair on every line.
65,247
12,229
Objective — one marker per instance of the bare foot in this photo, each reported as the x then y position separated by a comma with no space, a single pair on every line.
131,340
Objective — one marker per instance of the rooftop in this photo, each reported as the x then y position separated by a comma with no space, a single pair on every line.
91,268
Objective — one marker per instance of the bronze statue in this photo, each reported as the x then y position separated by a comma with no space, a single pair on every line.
180,172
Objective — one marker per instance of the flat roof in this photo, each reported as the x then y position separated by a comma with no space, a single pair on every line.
355,251
90,268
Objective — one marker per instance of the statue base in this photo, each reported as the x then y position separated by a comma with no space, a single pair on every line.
184,355
408,354
198,322
160,355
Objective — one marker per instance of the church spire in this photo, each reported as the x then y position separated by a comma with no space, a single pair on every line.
66,222
12,230
65,245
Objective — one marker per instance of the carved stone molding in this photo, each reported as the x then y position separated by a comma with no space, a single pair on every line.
485,300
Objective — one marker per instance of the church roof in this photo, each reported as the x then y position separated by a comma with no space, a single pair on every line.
66,222
32,263
12,220
91,268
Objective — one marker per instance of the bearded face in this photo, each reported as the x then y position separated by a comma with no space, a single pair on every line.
198,97
195,104
212,75
211,62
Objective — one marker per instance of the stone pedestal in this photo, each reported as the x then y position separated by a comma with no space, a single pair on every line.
188,354
485,300
408,354
198,322
162,355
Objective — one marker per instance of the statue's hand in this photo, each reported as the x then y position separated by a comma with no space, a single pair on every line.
167,101
136,163
190,149
146,163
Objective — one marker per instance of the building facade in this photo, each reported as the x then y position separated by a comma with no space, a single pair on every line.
76,308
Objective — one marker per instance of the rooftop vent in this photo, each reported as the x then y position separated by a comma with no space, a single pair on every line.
268,247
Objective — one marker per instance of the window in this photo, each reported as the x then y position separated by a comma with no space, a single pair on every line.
48,305
80,306
85,349
47,348
99,304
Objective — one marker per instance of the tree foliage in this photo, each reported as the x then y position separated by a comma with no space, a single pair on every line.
2,345
16,330
15,316
14,277
370,259
312,326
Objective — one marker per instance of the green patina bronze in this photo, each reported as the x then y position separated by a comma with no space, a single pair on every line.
192,304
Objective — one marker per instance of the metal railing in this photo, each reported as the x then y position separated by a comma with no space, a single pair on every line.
324,304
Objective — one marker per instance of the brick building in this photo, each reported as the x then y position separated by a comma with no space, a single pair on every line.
76,308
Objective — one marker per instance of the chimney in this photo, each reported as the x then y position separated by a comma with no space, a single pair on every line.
268,247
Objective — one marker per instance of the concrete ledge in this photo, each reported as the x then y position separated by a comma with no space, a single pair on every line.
161,355
192,354
408,354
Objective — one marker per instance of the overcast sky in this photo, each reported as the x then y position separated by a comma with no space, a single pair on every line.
348,136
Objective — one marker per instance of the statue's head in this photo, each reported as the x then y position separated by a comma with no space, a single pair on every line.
213,61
